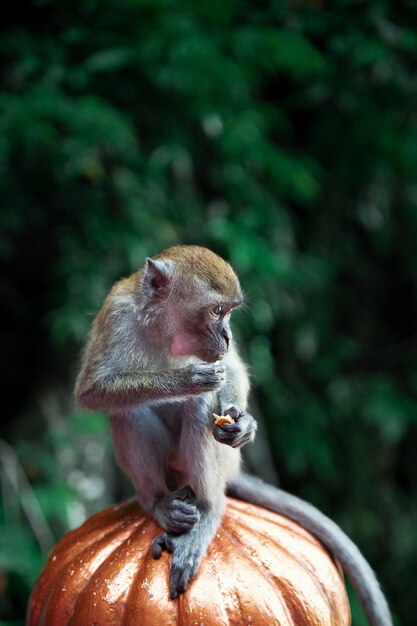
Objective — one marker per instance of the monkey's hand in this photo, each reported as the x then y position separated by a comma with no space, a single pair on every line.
204,377
177,512
241,432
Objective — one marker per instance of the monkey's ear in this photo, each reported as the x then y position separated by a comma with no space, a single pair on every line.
158,278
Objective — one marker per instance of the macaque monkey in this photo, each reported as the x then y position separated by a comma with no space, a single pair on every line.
160,359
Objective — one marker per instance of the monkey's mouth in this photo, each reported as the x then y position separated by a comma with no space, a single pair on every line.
212,357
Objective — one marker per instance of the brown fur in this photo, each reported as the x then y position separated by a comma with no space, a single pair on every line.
206,265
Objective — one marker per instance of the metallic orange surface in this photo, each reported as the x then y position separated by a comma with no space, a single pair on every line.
261,570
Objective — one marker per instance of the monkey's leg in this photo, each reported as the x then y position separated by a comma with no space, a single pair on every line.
143,444
209,466
187,551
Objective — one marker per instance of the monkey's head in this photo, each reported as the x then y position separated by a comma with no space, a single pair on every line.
194,292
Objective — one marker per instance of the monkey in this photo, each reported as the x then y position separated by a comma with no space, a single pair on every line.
160,360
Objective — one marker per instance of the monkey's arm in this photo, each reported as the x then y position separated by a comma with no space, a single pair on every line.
356,567
118,391
236,388
233,398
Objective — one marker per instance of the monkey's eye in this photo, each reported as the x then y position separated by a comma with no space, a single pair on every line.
216,311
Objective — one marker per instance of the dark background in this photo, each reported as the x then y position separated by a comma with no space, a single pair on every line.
282,135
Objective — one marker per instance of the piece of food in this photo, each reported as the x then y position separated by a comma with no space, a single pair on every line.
223,419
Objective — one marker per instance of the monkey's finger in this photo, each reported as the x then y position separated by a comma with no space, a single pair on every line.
226,429
182,518
244,417
230,428
181,526
184,507
246,422
161,543
223,437
212,367
169,543
233,411
158,546
241,441
184,513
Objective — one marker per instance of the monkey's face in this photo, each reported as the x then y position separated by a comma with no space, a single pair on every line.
204,333
194,292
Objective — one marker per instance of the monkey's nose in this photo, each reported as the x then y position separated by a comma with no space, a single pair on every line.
226,337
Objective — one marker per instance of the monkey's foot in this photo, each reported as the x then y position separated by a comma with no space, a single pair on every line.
185,560
241,432
177,512
186,557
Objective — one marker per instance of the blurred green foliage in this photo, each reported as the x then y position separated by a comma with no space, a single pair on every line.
283,135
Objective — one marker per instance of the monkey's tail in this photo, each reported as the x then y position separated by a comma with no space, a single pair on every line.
357,569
